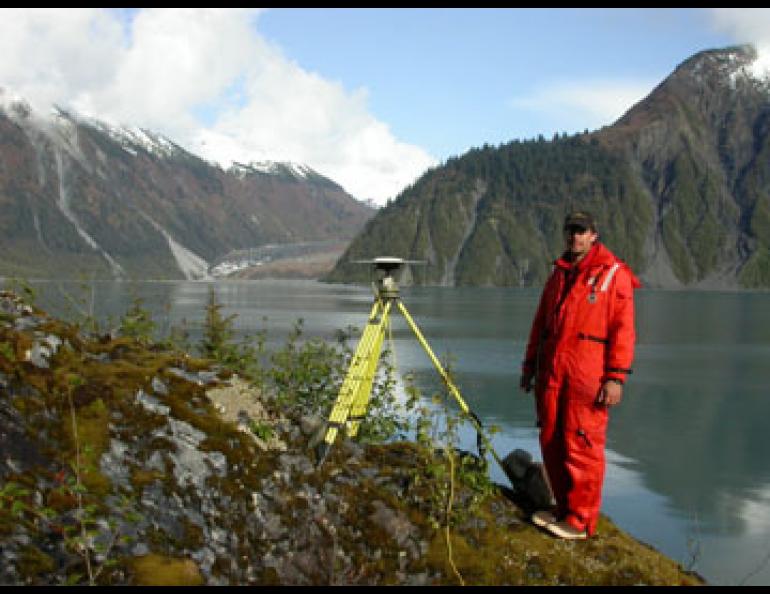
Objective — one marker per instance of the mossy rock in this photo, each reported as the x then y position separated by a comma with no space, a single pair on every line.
158,570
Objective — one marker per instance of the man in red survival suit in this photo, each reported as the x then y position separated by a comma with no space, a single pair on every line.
579,354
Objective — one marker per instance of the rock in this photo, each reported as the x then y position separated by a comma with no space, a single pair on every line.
516,464
296,464
353,449
529,479
394,523
309,424
159,386
239,403
191,465
42,350
140,549
113,463
200,378
18,452
273,528
152,404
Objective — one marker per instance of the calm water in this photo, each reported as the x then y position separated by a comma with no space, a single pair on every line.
688,468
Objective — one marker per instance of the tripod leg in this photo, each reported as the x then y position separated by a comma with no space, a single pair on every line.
354,377
364,391
448,381
436,363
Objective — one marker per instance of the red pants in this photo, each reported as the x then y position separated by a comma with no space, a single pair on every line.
573,433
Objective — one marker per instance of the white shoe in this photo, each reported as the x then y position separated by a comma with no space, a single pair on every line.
567,531
543,518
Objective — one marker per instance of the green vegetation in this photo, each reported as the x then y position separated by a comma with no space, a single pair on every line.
496,213
690,227
137,323
756,273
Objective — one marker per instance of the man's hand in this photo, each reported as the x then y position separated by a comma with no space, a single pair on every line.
610,394
526,382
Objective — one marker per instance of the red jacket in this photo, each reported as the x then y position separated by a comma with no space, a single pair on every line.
584,325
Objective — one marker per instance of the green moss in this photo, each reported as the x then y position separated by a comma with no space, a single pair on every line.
520,554
93,437
33,562
493,545
140,477
158,570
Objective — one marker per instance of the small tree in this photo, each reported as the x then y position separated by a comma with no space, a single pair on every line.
137,322
218,331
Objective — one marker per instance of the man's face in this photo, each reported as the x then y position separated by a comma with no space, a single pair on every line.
579,239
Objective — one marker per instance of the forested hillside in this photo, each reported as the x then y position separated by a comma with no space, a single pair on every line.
680,186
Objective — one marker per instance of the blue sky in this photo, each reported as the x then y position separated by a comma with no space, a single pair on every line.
368,97
449,79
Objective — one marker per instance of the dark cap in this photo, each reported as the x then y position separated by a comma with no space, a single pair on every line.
580,218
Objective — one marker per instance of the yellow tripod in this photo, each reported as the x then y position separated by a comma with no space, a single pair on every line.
353,398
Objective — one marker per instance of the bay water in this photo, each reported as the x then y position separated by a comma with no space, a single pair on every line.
688,469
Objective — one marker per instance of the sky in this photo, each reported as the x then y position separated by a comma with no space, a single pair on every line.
370,98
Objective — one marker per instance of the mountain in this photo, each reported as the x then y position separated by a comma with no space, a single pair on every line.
80,198
680,186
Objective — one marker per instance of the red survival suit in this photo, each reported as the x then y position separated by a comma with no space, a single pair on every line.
582,335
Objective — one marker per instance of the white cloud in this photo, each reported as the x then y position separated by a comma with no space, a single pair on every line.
747,25
575,106
206,79
294,112
50,54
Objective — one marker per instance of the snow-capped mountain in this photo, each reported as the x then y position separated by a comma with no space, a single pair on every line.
82,197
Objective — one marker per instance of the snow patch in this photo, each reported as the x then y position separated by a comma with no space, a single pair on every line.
740,66
297,170
60,126
133,138
228,268
190,264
